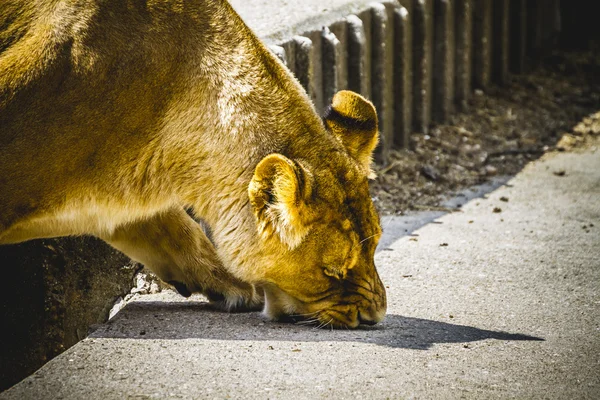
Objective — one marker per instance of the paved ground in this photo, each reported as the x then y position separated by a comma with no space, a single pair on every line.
482,304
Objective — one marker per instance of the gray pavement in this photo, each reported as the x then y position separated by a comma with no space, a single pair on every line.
482,304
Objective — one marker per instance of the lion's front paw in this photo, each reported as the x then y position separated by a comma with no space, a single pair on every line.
237,300
181,288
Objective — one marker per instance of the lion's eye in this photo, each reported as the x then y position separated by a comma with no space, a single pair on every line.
334,272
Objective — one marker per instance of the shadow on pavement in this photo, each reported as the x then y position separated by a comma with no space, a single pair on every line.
196,320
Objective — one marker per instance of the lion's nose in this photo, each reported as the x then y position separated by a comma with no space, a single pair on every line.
365,319
372,314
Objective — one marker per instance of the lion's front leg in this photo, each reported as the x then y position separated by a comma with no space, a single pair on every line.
176,248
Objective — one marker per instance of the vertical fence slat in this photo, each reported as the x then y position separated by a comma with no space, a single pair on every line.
501,41
340,30
316,82
302,50
463,10
402,76
331,55
381,77
535,17
422,60
482,43
280,52
359,64
367,20
518,36
443,64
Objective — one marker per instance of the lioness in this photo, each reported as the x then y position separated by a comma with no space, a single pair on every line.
118,115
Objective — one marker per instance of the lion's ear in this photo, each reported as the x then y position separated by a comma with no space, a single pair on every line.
277,193
353,120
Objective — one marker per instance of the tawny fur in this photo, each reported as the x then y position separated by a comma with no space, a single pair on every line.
117,115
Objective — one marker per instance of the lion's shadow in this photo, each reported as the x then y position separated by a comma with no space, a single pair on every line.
184,320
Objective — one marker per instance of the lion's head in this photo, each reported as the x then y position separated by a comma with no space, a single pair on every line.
319,227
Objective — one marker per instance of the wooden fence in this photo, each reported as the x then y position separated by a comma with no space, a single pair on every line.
420,60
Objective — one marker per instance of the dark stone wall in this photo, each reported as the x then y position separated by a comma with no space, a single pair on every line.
53,290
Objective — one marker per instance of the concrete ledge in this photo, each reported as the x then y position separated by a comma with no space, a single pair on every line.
276,22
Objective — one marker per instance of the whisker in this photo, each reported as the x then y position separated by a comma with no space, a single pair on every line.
305,315
367,238
324,324
308,322
308,318
383,228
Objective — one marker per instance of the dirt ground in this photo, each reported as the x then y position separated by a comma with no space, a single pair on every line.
502,130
